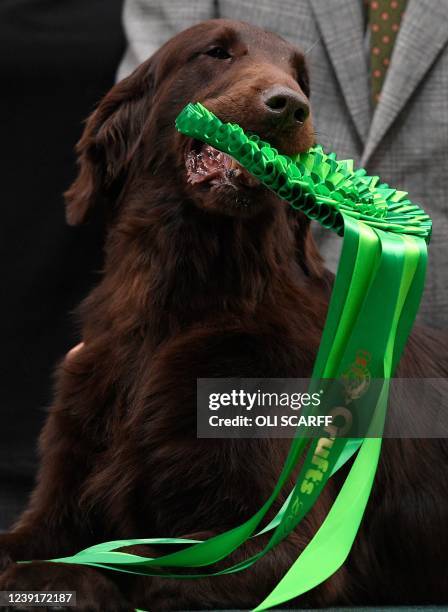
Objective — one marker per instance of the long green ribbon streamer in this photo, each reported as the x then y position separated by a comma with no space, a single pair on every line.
381,270
332,543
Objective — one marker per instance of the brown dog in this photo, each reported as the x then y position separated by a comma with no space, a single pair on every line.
207,274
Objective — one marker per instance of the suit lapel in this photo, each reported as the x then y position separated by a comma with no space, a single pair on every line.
422,35
341,24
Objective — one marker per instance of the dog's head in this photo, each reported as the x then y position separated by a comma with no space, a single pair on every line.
243,74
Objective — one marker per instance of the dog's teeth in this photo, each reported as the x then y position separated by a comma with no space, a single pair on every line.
207,163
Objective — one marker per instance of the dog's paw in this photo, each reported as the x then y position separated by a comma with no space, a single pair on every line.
8,546
94,591
5,559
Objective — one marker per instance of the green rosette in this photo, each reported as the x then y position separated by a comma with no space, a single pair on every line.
314,182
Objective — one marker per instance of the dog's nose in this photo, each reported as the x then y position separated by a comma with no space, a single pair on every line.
285,106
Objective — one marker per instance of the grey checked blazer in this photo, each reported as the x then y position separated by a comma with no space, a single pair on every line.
404,139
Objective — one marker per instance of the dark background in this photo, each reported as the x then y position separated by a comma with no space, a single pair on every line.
57,59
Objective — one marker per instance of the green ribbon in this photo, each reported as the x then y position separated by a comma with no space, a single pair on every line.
381,270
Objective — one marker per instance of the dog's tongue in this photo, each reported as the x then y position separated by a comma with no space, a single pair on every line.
209,164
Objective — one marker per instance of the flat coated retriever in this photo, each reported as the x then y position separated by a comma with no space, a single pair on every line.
207,274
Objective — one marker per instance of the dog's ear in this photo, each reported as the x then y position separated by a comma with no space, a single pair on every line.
111,137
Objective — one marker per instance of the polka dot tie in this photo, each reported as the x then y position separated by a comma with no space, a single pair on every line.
384,21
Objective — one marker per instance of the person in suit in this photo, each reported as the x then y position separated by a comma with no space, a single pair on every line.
379,92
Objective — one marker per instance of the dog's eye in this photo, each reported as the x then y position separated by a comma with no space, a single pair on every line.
218,53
